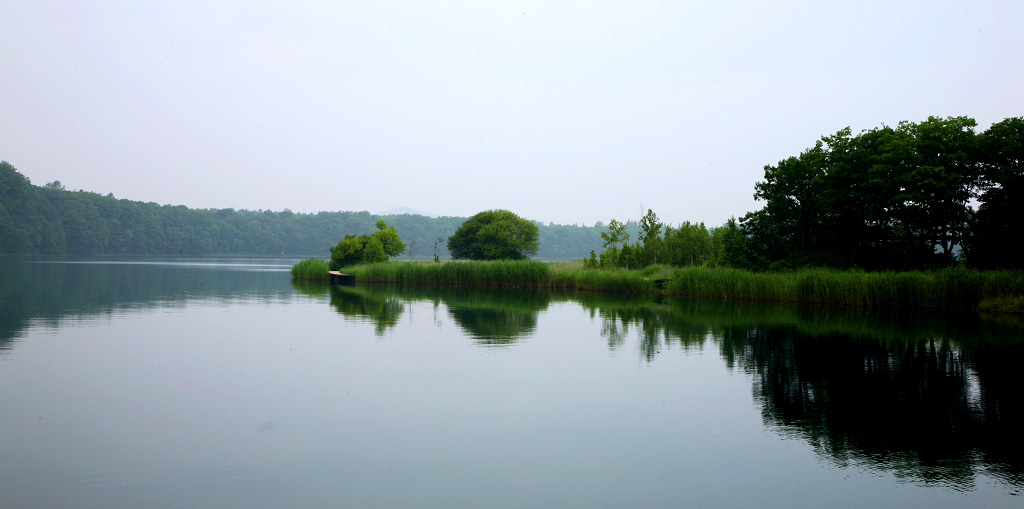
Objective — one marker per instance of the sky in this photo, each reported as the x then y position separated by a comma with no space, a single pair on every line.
569,112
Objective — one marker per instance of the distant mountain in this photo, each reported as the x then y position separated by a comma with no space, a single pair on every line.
405,210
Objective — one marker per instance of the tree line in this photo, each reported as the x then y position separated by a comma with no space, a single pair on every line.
916,196
49,219
658,243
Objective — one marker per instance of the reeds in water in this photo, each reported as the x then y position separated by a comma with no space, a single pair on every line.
955,288
312,269
602,280
728,283
502,273
507,273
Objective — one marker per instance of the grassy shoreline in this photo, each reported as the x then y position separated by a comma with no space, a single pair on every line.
948,289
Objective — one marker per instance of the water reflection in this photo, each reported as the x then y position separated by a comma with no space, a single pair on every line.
932,399
929,398
933,410
492,317
382,309
51,290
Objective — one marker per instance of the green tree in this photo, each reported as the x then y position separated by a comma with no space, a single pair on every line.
650,234
387,236
348,251
733,250
616,233
689,244
378,246
998,225
437,242
941,181
373,252
494,235
883,199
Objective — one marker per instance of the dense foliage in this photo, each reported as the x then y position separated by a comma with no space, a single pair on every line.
685,245
51,220
494,235
895,198
378,246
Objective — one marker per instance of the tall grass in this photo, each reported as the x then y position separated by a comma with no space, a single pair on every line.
312,269
727,283
955,288
510,274
613,280
502,273
948,289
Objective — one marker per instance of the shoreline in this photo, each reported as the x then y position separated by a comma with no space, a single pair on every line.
955,289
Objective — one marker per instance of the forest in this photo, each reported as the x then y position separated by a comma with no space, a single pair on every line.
49,219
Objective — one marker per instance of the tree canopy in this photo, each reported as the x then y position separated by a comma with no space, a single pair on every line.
378,246
893,198
494,235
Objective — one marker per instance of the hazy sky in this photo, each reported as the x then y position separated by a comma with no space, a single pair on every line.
561,111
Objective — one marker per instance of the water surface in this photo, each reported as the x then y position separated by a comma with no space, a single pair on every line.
218,382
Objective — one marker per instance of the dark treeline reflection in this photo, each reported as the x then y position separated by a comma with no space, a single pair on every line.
935,410
930,398
32,289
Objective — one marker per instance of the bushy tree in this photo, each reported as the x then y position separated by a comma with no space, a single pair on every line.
348,251
494,235
374,251
378,246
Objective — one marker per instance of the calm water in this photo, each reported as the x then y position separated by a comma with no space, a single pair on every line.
217,382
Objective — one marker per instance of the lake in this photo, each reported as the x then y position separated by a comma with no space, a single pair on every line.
218,382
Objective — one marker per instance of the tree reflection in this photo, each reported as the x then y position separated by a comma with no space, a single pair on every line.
495,317
927,409
491,327
382,311
492,317
929,398
48,291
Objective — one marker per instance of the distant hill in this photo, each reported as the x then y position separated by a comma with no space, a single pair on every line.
52,220
406,210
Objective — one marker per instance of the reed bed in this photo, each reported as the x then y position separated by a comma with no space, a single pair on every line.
504,273
863,289
727,283
953,288
949,289
611,280
312,269
507,274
